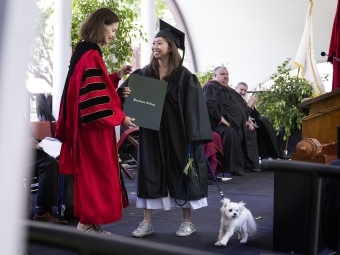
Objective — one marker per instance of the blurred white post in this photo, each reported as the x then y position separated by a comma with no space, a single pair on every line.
16,17
62,49
148,17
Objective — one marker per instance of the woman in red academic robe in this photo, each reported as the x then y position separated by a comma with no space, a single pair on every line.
89,111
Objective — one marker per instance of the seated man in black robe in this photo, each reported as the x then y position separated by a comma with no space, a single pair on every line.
267,141
228,117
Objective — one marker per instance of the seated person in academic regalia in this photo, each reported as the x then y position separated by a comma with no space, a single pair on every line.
228,117
266,136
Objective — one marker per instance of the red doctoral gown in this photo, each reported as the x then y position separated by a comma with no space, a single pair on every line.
87,132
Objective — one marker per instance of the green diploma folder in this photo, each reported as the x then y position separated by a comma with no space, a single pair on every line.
145,103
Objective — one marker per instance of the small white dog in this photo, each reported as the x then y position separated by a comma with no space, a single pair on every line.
235,218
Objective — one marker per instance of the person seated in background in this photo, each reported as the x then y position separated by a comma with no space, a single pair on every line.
46,168
65,183
228,117
267,141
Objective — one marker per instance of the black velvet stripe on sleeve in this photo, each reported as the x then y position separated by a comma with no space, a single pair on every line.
94,101
81,48
92,87
91,73
96,116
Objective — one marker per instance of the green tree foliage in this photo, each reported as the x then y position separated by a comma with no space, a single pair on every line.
206,75
279,102
119,52
135,6
41,65
160,8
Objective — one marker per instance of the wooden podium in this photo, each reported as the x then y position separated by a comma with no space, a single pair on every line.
321,124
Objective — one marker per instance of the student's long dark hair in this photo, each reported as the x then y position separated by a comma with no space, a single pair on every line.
175,61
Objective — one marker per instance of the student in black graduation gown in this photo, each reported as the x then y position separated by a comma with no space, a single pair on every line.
162,155
228,117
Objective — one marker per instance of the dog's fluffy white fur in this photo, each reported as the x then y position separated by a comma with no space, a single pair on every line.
235,218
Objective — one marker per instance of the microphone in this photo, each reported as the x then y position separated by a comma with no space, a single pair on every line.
324,54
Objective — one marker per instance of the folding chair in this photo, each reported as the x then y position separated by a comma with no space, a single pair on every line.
127,150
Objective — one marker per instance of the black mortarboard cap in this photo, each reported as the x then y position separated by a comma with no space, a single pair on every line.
172,33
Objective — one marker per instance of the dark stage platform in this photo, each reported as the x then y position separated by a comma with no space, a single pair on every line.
255,189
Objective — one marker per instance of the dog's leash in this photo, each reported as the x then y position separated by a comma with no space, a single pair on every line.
211,172
190,150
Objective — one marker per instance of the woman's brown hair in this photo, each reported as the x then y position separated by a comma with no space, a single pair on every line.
92,30
174,62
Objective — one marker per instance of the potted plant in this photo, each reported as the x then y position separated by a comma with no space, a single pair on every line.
279,102
205,76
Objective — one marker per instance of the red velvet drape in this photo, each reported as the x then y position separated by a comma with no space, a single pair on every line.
334,49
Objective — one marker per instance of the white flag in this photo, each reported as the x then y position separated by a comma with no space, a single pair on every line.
305,58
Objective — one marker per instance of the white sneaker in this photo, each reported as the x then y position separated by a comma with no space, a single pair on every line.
143,229
186,229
